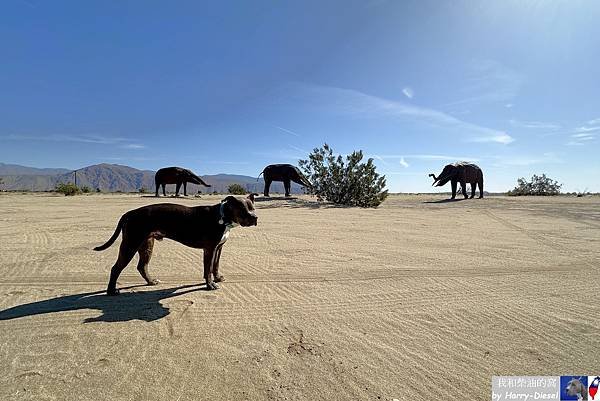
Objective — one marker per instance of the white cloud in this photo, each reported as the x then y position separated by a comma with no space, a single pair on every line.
587,129
594,121
534,124
430,157
502,138
403,162
133,146
582,136
509,105
408,92
349,101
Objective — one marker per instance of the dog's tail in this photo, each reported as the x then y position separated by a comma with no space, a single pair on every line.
114,236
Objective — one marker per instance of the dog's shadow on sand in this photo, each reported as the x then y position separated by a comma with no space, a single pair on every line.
141,305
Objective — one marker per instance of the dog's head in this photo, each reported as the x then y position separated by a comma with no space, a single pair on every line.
240,210
575,387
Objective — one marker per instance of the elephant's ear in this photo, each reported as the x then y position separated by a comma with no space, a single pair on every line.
251,197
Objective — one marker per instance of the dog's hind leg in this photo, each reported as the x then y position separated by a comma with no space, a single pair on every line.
217,277
145,253
126,253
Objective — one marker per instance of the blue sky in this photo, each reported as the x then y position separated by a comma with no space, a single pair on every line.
228,87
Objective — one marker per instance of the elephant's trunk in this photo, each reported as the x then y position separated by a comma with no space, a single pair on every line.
434,179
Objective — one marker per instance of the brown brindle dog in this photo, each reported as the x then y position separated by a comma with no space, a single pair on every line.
205,227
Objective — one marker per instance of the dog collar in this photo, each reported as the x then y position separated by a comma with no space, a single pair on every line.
222,219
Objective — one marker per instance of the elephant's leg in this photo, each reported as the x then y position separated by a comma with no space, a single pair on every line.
453,185
145,253
287,184
463,186
473,187
480,188
185,188
209,254
267,186
177,188
217,277
164,186
157,188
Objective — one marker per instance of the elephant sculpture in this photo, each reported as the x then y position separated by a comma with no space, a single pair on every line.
177,176
463,172
286,173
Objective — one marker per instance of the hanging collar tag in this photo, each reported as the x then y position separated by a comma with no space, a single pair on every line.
222,213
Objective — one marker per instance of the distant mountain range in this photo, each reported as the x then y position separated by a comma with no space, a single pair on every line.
115,177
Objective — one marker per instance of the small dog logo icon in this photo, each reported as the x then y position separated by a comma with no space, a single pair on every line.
574,388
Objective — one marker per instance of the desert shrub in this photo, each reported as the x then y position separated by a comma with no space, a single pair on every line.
85,189
538,186
98,190
236,189
348,182
69,189
143,190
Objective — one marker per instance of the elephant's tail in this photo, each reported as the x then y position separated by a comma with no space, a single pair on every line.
114,236
260,175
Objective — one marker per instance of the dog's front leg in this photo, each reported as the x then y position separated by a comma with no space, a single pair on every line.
216,276
209,254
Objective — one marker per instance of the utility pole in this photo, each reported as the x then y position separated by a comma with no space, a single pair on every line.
75,173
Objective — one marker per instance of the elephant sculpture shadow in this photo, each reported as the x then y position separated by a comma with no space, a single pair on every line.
445,200
143,305
294,203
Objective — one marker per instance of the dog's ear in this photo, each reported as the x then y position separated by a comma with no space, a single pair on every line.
229,198
252,196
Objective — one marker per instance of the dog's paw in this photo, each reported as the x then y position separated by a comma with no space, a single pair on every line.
219,278
211,286
113,292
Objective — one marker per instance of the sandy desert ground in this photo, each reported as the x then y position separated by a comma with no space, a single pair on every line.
419,299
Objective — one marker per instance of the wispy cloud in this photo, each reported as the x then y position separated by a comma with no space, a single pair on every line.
587,129
381,159
489,81
522,161
509,105
104,140
287,131
121,142
353,102
582,136
502,138
408,92
403,162
535,125
428,157
594,121
133,146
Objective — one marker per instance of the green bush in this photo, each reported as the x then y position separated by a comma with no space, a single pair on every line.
85,189
348,182
236,189
67,189
538,186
